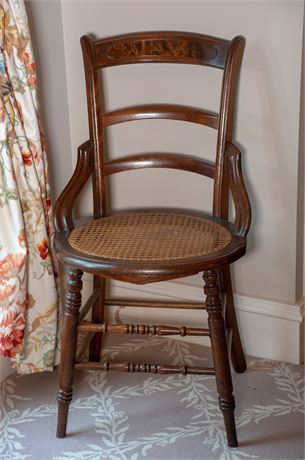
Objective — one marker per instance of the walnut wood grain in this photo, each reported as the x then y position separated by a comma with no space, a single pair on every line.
157,47
95,127
220,354
155,304
145,367
89,304
98,310
142,272
68,348
237,353
161,111
239,192
64,206
226,125
161,160
142,329
162,46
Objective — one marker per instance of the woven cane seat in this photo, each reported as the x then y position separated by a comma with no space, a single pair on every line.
149,237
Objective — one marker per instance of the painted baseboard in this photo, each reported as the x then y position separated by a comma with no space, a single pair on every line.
268,329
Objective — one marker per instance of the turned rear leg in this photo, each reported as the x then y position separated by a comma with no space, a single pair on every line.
237,353
220,355
97,317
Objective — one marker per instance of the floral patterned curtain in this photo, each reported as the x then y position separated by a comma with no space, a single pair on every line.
28,297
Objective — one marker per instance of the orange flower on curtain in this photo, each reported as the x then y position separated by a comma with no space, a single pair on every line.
28,297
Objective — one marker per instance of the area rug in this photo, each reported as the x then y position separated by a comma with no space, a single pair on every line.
141,416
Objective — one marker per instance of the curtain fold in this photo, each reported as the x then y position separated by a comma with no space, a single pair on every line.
28,296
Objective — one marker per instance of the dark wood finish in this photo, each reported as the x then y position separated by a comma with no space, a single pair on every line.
98,317
173,47
237,353
239,192
147,368
89,304
161,111
170,47
226,124
220,354
64,205
155,304
142,329
140,272
68,347
161,160
95,127
229,339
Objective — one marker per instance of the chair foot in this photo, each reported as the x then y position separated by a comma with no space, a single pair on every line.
227,407
238,359
237,353
220,355
63,411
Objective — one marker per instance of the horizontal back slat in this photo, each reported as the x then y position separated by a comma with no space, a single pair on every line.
170,47
161,160
161,111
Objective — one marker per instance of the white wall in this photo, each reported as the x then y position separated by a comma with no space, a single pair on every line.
267,128
46,27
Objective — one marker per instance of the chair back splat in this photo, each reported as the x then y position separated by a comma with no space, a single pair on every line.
143,247
163,47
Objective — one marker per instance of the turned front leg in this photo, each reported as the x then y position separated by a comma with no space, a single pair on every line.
68,348
220,355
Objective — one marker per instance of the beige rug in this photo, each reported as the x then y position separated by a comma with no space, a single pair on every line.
131,417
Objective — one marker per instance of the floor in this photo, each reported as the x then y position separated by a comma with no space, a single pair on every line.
140,416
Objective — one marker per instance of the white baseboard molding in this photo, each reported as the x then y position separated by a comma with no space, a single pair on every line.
268,329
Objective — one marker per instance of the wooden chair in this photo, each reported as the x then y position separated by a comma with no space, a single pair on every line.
144,247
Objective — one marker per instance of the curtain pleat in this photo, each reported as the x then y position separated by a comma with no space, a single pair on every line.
28,295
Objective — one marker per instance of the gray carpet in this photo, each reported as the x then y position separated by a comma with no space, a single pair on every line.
131,417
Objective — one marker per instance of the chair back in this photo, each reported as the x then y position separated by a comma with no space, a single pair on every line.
163,47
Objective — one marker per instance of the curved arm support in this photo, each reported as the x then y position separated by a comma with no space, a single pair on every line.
238,189
64,205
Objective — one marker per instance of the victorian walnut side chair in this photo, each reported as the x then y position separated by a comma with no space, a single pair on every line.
144,247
